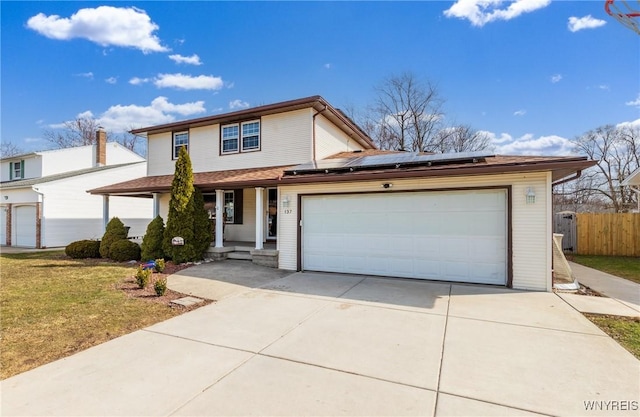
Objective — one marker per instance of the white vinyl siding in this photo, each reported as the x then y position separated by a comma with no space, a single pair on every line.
331,140
245,232
531,238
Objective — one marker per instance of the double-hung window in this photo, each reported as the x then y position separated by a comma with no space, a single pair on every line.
180,139
16,170
250,136
230,134
240,137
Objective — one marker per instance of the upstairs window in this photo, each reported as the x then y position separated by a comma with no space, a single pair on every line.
230,134
240,137
16,170
251,136
180,139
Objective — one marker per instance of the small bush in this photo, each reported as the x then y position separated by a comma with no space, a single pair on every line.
152,241
143,276
160,286
124,250
82,249
115,231
159,265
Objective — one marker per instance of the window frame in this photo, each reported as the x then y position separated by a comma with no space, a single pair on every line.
222,139
19,166
175,149
240,148
233,207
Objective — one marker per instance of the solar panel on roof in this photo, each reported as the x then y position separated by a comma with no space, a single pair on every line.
388,160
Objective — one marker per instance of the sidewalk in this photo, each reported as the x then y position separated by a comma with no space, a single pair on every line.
621,296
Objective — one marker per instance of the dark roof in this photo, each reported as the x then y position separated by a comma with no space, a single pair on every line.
561,167
205,181
317,102
49,178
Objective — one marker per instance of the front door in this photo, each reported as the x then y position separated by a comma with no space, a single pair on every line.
272,213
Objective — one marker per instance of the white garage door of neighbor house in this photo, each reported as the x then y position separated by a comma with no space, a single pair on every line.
450,236
25,226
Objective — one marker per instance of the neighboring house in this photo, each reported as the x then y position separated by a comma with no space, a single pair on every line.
44,200
633,182
303,175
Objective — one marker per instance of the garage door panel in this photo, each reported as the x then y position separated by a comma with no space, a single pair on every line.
456,236
25,226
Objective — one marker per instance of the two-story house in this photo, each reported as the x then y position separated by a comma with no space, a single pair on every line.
44,200
302,175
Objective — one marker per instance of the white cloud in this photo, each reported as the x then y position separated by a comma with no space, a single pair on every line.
327,65
555,78
105,25
111,80
633,123
238,104
191,60
521,112
138,81
32,140
635,103
604,87
529,144
481,12
188,82
587,22
121,118
88,75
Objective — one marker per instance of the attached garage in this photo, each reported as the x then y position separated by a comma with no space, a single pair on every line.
25,226
459,235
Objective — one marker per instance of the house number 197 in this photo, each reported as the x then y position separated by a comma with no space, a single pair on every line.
288,211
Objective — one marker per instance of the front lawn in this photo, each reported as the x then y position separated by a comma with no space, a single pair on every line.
625,330
622,266
53,306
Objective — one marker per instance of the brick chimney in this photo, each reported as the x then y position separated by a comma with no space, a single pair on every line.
101,147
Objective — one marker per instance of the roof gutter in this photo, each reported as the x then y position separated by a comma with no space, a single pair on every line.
571,178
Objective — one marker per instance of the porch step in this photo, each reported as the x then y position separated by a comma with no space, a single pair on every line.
245,256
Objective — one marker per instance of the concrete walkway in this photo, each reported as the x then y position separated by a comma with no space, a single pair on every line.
622,297
332,344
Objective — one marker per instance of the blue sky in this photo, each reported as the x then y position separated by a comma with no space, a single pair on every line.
532,73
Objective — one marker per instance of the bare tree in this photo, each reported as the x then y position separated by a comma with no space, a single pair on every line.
617,151
82,131
8,149
461,138
407,113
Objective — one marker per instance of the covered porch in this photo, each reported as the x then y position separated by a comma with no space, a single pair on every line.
243,204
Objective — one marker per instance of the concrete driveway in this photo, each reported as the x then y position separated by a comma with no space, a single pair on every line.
330,344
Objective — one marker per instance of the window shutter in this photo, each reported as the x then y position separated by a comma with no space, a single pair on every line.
238,206
22,169
10,170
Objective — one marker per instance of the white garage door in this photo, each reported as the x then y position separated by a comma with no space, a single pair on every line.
452,236
3,225
25,226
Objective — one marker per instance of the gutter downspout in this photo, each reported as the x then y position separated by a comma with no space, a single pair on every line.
42,228
313,133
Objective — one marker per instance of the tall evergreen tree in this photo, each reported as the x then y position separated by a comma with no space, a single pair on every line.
180,222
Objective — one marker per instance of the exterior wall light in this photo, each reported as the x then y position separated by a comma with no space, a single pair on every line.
285,201
530,195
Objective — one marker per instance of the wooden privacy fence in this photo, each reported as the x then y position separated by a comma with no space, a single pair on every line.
612,234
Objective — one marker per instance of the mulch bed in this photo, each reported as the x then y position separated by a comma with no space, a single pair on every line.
148,294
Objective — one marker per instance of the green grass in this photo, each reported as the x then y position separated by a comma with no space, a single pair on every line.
53,306
622,266
625,330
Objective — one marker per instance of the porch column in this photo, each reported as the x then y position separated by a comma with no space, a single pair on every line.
156,204
259,217
219,218
105,212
